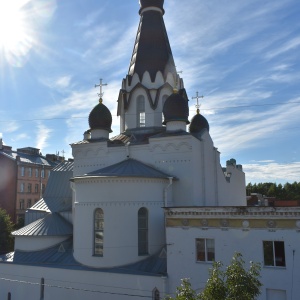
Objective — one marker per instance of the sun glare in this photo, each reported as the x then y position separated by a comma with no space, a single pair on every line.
15,39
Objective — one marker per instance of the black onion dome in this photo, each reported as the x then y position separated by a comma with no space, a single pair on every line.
198,123
153,3
100,118
176,109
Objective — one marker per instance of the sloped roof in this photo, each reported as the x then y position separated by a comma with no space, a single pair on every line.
129,168
40,205
28,158
52,225
58,193
61,256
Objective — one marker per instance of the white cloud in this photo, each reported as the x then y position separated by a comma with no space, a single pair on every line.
272,172
42,136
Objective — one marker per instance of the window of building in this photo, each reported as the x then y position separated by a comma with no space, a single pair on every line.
36,188
155,294
43,173
29,187
140,107
29,172
98,232
274,254
164,98
36,173
28,203
43,188
205,249
22,204
22,171
143,231
22,187
48,173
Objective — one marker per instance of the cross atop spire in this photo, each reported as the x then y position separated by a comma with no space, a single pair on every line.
198,105
101,85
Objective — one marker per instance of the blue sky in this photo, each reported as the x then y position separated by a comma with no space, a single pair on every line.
243,56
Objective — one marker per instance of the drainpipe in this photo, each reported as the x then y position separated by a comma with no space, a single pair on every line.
166,191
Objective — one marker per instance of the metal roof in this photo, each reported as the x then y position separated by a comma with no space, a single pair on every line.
58,193
28,158
40,205
52,225
64,166
129,168
61,256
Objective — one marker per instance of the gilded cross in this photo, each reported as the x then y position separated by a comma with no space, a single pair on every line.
198,105
101,85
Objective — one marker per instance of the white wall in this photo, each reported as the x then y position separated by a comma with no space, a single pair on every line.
23,282
182,256
120,199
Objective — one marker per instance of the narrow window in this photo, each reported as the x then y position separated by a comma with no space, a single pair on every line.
28,203
164,98
29,172
22,187
36,188
43,173
155,294
140,106
274,254
143,231
29,187
205,249
22,171
98,231
22,204
48,173
36,173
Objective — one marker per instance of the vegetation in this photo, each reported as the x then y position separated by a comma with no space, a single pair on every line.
234,283
6,227
288,191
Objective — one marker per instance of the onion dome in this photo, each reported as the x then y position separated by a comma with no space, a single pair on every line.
198,123
176,109
100,117
152,3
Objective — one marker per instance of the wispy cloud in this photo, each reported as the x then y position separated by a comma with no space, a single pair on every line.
42,136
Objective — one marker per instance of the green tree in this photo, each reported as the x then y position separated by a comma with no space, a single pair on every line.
235,283
6,227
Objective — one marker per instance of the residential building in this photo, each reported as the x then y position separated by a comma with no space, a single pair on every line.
23,178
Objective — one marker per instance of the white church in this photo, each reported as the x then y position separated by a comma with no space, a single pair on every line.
137,212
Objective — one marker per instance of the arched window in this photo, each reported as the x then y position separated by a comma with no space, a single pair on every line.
155,294
140,111
143,231
98,232
164,98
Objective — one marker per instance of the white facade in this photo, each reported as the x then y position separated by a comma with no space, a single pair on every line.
235,230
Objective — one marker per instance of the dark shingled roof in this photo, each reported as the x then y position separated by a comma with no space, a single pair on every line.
152,51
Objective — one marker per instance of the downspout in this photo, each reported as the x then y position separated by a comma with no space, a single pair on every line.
166,191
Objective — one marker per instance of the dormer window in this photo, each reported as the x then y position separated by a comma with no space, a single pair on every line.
140,107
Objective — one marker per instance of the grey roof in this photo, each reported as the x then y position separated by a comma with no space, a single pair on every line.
58,193
52,225
40,205
129,168
29,158
61,256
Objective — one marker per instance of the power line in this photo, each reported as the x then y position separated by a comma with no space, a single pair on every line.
212,108
72,288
